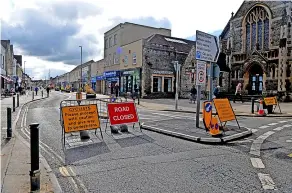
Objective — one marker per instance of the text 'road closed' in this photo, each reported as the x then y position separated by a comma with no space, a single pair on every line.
122,113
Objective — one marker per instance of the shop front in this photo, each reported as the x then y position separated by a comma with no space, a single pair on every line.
130,80
93,83
162,81
99,83
111,79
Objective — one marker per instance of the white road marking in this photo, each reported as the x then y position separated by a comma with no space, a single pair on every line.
264,127
287,126
289,141
278,129
167,115
4,128
255,148
272,124
267,182
257,162
283,121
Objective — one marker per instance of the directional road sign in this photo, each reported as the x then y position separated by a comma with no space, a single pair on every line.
207,47
201,73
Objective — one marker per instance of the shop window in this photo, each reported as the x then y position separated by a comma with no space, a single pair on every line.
134,58
157,84
167,84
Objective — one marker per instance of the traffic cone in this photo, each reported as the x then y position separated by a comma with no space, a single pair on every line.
261,111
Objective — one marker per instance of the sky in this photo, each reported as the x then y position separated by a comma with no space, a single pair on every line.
48,33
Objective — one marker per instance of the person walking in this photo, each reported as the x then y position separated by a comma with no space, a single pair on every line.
238,93
48,90
216,92
117,89
36,90
193,94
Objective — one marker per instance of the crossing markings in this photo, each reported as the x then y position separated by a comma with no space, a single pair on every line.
257,163
283,121
264,127
272,124
278,129
266,181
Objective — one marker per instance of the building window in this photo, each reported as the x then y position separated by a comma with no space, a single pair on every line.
110,42
115,39
157,84
3,60
125,60
257,27
167,84
110,59
106,43
134,58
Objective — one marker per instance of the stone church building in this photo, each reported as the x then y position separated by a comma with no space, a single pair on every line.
258,48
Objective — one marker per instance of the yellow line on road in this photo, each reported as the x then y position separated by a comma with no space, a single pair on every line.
290,155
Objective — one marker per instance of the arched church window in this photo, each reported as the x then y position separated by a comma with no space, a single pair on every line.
257,26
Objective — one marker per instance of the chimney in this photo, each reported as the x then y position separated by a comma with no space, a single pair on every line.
232,14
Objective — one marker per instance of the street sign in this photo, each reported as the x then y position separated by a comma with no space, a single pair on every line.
122,113
79,118
207,47
224,110
201,73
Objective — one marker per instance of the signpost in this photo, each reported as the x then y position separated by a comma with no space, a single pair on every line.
200,80
207,49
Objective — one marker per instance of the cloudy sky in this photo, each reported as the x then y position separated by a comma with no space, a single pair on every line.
48,32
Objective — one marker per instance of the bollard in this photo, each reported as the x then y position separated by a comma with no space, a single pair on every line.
13,103
252,105
9,123
32,95
17,100
48,94
34,157
42,93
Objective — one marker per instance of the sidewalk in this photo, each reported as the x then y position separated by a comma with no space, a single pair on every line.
15,153
240,109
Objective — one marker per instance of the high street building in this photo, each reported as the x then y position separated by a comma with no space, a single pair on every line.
114,39
257,42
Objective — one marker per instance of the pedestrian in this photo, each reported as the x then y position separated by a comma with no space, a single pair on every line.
238,93
48,90
216,92
36,90
193,94
117,89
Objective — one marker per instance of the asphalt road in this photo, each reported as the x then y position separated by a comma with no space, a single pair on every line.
151,162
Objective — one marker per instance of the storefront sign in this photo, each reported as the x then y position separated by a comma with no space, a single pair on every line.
127,72
122,113
93,79
111,74
162,72
99,77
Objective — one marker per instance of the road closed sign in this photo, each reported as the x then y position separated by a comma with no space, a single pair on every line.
201,73
122,113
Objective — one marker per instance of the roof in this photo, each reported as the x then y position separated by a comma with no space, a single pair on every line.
18,59
179,44
125,23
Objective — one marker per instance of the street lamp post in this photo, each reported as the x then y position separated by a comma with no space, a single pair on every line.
24,75
177,69
80,68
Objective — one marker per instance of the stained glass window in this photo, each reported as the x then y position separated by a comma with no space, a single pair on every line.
247,37
253,35
260,33
257,28
266,34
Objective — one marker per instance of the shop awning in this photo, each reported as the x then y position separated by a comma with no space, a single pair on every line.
6,78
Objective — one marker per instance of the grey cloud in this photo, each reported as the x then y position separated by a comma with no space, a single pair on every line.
149,21
49,32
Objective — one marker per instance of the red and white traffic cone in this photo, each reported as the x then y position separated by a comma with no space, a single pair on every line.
261,111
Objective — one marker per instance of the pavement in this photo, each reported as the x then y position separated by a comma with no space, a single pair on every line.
151,162
15,153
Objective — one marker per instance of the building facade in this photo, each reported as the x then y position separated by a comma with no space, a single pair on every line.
97,81
3,68
257,42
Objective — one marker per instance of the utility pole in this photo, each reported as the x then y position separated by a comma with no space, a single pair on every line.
177,70
24,74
